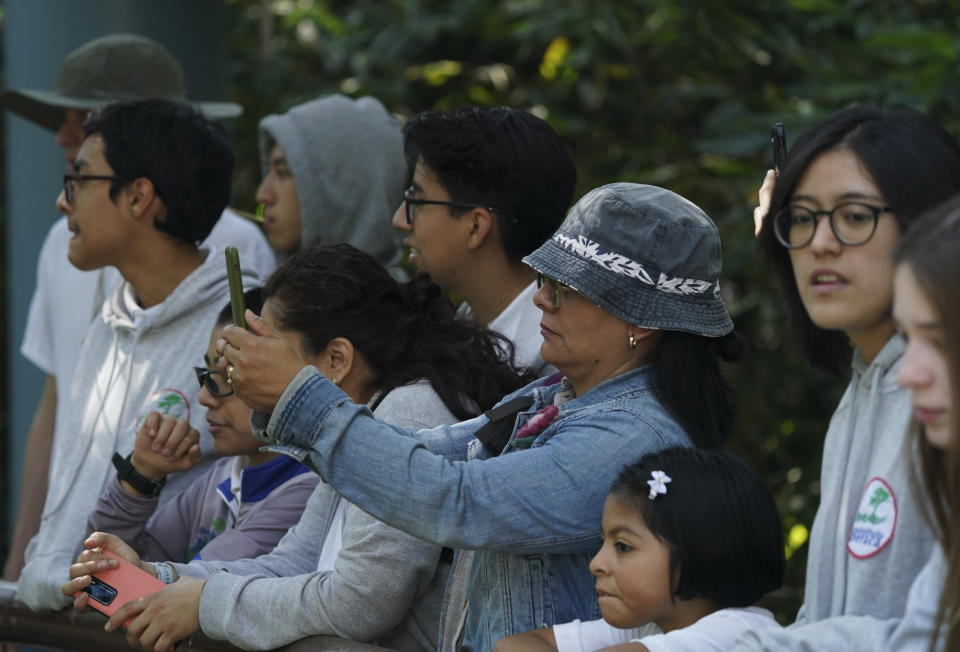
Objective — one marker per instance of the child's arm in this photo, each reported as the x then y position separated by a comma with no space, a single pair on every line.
124,511
532,641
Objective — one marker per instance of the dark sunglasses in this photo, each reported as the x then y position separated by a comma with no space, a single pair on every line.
215,382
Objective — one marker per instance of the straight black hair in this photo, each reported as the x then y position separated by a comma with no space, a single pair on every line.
186,156
691,385
405,332
718,520
503,158
912,160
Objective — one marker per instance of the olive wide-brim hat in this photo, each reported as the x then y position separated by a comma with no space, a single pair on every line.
644,254
110,69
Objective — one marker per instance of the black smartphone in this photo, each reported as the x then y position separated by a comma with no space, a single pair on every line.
778,140
237,304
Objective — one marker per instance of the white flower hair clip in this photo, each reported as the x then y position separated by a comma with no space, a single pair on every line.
659,483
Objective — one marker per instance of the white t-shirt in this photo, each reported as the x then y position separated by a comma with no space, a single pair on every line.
67,299
717,631
520,323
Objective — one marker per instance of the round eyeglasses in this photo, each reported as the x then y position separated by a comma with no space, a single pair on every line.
555,289
852,223
215,382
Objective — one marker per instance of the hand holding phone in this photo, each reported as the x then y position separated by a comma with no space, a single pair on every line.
112,588
778,141
237,304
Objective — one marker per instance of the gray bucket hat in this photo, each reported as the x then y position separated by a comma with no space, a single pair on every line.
644,254
109,69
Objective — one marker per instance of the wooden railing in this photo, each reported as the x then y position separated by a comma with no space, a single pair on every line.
68,630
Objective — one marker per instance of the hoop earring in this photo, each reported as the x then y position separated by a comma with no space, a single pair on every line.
633,341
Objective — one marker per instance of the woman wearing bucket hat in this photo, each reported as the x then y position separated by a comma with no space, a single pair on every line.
870,173
630,300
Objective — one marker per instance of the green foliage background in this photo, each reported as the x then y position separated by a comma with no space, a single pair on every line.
680,94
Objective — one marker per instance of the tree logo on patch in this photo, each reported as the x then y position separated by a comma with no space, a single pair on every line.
166,401
875,521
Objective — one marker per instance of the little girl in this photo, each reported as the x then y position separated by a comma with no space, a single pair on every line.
691,539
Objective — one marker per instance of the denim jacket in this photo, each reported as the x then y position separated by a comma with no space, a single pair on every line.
533,515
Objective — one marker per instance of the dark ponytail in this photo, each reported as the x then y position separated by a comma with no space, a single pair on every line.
691,385
405,332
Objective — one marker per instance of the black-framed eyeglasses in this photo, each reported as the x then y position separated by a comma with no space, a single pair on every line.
411,203
555,289
215,382
852,223
70,183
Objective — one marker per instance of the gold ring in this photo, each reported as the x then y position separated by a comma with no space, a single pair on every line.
229,374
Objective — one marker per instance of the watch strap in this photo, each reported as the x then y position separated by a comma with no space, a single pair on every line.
127,473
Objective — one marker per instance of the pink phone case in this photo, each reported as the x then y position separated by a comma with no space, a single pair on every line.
128,581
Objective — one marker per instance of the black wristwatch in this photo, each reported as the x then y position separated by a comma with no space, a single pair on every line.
143,484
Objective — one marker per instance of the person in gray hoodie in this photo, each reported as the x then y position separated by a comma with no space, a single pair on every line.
870,173
148,183
333,171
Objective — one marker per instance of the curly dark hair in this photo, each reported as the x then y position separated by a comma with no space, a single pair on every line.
405,331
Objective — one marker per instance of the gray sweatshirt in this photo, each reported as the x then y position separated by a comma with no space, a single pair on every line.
386,586
869,539
130,364
915,630
348,167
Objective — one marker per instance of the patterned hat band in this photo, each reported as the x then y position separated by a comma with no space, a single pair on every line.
617,263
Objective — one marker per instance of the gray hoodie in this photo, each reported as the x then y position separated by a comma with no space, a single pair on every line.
386,586
348,167
128,366
869,539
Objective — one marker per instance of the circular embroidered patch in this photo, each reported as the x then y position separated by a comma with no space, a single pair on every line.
875,521
166,401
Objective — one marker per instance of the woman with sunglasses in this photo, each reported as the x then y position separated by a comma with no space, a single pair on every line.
847,192
632,318
400,352
240,507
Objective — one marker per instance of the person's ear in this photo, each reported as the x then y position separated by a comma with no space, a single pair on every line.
141,198
337,358
642,339
483,224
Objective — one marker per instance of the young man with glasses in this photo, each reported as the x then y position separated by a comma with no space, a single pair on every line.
489,186
66,299
149,181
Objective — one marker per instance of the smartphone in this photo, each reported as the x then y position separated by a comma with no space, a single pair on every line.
778,140
237,303
113,588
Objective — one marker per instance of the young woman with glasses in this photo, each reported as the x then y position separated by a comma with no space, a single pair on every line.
240,507
398,350
847,192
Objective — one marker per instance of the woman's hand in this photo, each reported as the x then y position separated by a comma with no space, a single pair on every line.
259,364
766,192
165,445
161,619
93,560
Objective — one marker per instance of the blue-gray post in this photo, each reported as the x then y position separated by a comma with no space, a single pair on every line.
38,34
